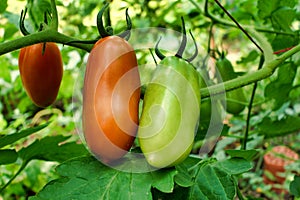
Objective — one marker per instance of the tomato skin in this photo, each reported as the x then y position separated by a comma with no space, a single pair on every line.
170,113
41,73
111,96
227,73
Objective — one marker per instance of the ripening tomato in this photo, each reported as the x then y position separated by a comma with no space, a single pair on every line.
170,114
41,70
111,98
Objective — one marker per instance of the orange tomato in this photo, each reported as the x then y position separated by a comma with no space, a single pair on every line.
41,72
111,98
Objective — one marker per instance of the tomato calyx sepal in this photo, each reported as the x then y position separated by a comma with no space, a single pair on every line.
182,46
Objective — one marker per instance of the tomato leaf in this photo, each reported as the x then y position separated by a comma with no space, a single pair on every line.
12,138
295,186
234,166
183,178
283,18
48,149
245,154
283,83
274,128
212,183
3,6
214,179
8,156
266,8
87,178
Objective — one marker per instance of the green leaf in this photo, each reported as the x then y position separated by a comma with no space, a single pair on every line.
279,89
245,154
3,6
87,178
212,183
10,30
36,10
49,149
276,128
266,7
252,56
183,178
283,18
234,166
10,139
8,156
295,186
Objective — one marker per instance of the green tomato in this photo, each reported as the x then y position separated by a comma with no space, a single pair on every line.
236,97
170,113
210,112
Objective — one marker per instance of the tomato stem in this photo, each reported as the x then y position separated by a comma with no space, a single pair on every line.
103,33
157,52
183,41
21,23
126,33
196,49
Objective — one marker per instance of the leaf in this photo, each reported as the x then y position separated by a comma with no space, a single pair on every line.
234,166
283,18
8,156
10,30
212,183
10,139
245,154
276,128
183,178
249,58
87,178
48,149
266,7
3,6
279,89
295,186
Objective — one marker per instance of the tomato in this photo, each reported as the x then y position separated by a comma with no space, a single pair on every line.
41,71
111,96
170,113
236,97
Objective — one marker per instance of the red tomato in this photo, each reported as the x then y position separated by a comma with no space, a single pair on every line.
41,73
111,98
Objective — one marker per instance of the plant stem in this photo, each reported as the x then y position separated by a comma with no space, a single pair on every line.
245,139
249,78
47,35
13,178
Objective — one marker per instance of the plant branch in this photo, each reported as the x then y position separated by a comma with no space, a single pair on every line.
47,35
249,78
24,164
245,139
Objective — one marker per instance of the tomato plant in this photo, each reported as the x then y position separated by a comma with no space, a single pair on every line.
42,157
111,98
41,71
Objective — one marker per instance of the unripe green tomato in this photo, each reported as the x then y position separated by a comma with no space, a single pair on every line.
236,97
170,113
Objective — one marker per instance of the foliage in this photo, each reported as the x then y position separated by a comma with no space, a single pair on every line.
41,152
